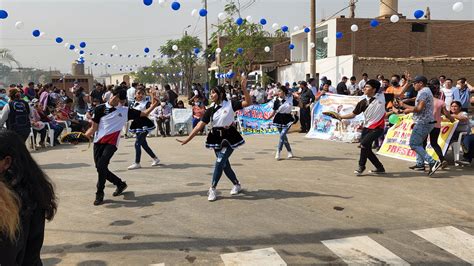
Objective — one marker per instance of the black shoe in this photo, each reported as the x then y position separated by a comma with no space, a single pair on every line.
359,171
463,163
379,171
417,168
120,189
99,199
163,135
434,167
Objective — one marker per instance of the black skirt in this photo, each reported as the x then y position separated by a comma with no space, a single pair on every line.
142,124
283,120
219,138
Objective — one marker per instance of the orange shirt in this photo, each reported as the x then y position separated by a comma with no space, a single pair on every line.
396,91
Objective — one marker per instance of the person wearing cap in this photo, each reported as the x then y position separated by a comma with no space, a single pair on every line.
424,124
306,98
342,87
373,108
107,122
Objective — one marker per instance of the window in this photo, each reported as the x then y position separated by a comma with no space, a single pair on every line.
418,27
321,46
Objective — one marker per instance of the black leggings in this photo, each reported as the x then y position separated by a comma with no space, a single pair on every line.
434,134
367,139
102,155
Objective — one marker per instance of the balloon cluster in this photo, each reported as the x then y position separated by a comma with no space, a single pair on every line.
228,75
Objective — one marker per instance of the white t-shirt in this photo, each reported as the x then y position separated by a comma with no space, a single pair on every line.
131,94
362,84
448,97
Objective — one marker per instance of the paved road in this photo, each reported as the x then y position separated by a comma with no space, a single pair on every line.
308,210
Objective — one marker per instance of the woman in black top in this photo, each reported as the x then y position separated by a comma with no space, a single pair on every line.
35,196
283,119
223,137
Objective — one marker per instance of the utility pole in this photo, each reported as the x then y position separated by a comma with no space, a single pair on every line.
312,54
206,53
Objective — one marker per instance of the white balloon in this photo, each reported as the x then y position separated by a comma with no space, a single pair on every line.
19,25
326,40
161,3
354,28
312,45
194,12
221,16
66,45
296,28
458,7
42,33
249,19
394,18
218,50
76,50
175,47
114,47
267,49
275,26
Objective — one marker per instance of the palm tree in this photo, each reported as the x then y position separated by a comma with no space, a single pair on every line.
7,56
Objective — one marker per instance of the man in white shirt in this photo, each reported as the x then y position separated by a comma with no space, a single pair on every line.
448,92
312,86
364,80
354,87
131,93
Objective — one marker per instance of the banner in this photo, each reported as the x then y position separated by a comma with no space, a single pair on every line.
396,143
254,120
327,128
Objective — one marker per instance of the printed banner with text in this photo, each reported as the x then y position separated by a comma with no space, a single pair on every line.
327,128
396,143
254,120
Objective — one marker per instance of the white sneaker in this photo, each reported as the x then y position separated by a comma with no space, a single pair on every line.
134,166
290,155
155,162
277,155
212,194
236,189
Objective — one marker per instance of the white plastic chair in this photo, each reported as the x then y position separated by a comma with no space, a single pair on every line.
180,117
32,139
456,147
50,135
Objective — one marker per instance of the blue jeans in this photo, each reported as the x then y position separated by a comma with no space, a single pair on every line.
284,139
223,165
419,134
141,142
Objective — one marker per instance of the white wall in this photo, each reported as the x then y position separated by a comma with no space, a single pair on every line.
300,40
332,29
294,72
334,68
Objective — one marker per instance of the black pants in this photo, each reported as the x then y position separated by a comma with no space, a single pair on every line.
367,139
434,134
164,126
42,133
102,155
305,113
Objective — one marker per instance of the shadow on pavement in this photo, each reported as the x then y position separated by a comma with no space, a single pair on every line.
64,166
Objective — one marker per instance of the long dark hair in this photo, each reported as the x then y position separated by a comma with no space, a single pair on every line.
25,176
220,92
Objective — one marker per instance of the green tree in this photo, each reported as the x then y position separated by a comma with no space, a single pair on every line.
184,58
7,57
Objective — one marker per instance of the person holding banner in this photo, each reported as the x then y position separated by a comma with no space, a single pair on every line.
283,119
424,123
373,107
223,137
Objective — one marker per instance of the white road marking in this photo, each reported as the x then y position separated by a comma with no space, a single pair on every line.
451,239
362,250
259,257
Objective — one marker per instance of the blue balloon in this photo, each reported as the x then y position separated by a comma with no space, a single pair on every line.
72,47
263,21
419,14
175,6
239,21
59,40
284,28
240,50
81,52
3,14
203,12
339,35
36,33
291,46
147,2
82,45
374,23
307,30
196,50
146,50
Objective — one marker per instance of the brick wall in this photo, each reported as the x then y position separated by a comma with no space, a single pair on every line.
451,38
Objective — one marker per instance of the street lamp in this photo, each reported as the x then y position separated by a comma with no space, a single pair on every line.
184,30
